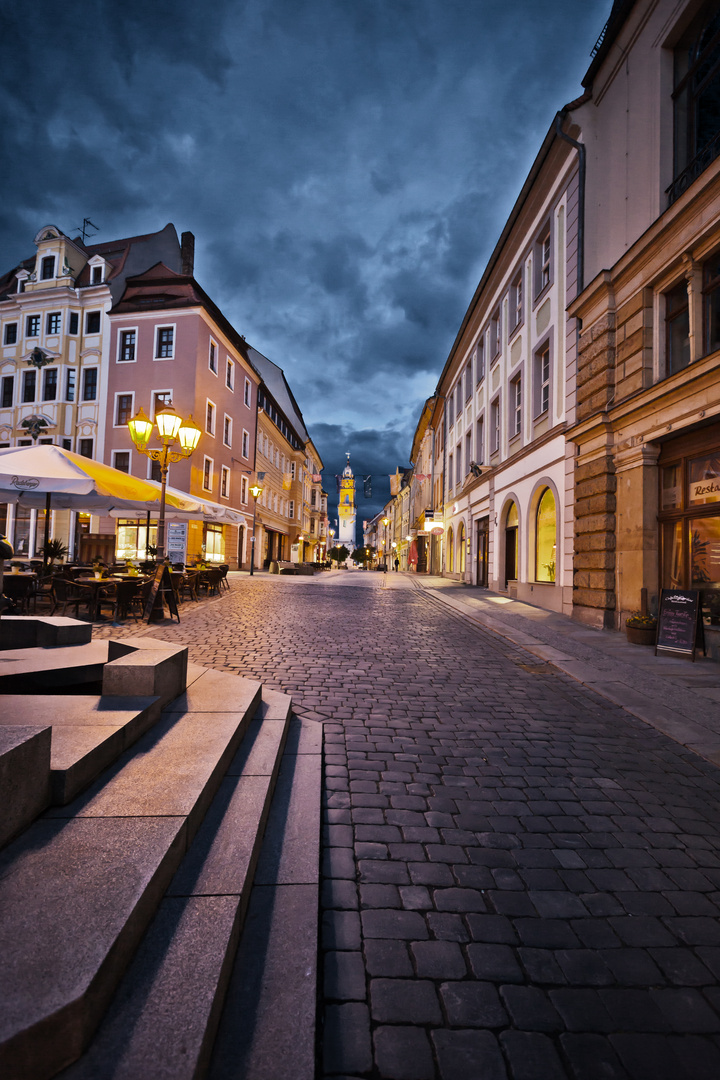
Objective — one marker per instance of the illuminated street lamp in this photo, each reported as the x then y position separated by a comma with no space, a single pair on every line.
386,522
255,490
171,428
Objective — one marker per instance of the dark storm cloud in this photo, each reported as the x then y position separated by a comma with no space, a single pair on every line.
346,167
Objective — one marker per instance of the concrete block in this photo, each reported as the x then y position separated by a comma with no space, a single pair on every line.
216,691
88,734
267,1029
75,898
24,777
157,672
261,750
30,671
162,1021
31,631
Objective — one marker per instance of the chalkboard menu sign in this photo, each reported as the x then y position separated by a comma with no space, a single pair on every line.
161,583
680,625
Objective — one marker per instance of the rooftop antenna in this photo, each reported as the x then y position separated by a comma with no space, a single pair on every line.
87,224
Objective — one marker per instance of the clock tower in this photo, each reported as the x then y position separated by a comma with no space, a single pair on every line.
347,513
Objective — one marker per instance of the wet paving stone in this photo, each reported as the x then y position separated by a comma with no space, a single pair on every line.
520,879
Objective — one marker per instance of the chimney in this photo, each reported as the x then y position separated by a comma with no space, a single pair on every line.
187,253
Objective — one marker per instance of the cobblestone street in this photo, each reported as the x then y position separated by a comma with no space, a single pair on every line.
520,879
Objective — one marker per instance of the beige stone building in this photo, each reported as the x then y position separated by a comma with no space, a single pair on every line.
647,436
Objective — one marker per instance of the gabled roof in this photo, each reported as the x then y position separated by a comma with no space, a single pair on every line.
277,386
160,288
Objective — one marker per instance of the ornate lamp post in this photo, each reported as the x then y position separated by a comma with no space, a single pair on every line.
255,491
386,522
171,428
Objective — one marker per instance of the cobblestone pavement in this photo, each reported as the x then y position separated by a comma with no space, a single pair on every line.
521,880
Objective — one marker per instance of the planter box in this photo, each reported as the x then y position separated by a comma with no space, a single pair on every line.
641,635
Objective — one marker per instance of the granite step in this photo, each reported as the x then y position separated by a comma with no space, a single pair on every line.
80,886
38,670
163,1018
89,732
267,1025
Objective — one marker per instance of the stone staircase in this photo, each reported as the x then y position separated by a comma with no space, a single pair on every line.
122,903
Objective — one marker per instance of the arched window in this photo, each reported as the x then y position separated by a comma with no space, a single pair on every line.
511,544
449,557
461,548
545,537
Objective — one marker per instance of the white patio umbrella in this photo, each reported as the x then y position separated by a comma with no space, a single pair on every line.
45,477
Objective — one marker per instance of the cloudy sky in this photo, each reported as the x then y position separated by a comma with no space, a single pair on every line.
346,167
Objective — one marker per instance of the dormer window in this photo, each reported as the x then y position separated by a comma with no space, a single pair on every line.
97,275
47,268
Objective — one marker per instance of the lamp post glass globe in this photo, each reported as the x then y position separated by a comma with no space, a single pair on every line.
171,428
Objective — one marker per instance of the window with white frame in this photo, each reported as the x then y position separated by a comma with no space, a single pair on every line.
480,359
127,342
543,260
210,416
246,444
212,356
123,409
516,301
225,482
495,426
90,384
292,470
121,460
495,336
161,400
542,379
247,395
450,473
53,322
291,508
32,326
50,382
227,430
480,441
70,384
515,406
243,489
164,342
458,464
47,268
468,380
92,322
207,474
468,451
229,374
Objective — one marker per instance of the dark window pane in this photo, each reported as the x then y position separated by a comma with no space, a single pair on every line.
29,385
8,386
92,322
47,268
50,377
10,333
90,384
74,319
85,447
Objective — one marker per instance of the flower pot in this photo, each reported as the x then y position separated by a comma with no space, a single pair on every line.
641,635
98,575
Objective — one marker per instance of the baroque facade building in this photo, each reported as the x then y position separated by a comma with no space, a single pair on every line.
91,333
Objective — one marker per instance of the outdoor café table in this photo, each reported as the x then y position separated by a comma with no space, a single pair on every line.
95,585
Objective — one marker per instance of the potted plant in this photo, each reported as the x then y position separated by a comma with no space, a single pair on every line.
641,629
54,549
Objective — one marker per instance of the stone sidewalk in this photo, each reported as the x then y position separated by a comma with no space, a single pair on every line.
521,879
673,694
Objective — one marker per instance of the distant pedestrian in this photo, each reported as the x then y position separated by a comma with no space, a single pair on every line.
397,565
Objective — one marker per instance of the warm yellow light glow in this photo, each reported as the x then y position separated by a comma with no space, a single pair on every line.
189,435
386,522
255,491
168,424
140,429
